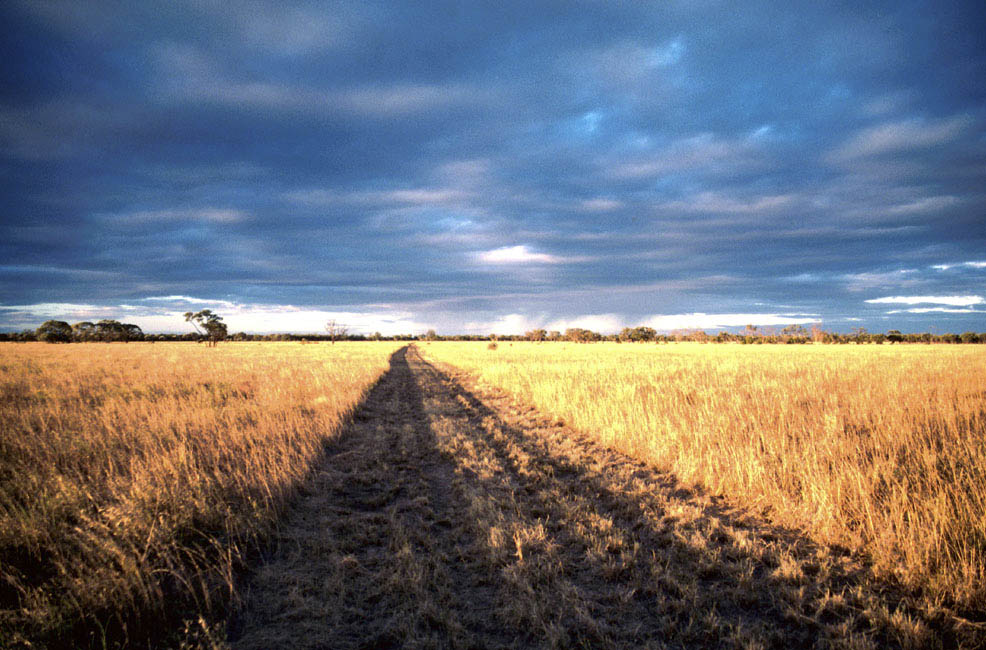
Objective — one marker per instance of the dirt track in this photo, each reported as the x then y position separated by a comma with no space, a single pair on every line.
446,516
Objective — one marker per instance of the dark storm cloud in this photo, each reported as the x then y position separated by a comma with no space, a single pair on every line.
494,164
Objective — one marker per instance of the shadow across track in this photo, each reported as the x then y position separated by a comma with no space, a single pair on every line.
445,516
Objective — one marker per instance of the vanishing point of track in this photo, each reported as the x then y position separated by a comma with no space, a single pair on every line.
448,516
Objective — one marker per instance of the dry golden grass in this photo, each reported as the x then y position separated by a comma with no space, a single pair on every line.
450,515
134,474
880,449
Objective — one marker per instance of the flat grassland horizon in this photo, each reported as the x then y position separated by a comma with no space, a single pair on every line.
881,449
135,478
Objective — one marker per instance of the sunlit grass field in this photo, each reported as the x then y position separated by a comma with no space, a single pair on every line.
881,449
134,476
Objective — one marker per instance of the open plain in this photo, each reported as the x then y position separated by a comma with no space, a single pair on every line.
452,514
432,504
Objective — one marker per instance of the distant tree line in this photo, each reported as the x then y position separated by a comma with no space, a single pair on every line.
751,335
209,328
58,331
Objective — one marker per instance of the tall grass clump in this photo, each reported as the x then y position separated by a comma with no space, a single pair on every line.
133,478
878,448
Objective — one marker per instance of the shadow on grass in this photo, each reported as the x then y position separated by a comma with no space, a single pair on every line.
623,555
374,553
438,521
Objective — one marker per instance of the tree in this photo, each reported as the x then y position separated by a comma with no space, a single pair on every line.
431,335
110,330
580,335
208,324
796,331
336,330
84,331
643,334
536,335
54,331
132,332
698,335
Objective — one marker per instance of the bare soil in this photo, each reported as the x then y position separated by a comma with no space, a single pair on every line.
450,516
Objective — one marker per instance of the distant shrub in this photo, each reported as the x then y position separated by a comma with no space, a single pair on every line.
491,346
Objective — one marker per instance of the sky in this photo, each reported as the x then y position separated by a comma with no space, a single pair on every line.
479,167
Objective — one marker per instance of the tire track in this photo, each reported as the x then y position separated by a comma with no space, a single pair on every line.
375,554
450,517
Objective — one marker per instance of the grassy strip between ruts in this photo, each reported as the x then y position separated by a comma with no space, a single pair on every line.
877,448
134,477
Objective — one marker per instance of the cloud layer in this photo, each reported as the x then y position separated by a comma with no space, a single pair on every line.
434,165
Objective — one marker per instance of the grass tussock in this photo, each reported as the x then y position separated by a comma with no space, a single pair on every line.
133,478
880,449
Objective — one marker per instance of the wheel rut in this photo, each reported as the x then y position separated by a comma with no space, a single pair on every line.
449,516
374,555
